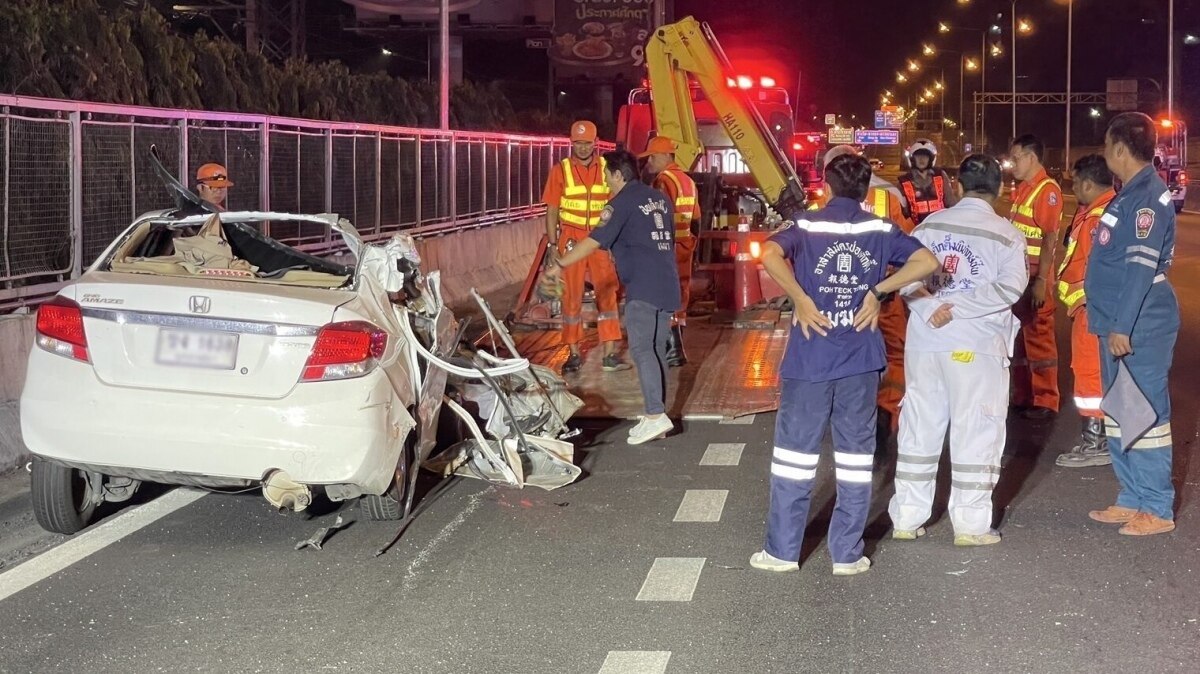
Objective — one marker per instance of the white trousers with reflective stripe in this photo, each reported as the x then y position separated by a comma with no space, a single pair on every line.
970,399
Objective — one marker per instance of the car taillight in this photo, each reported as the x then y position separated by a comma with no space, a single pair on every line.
344,351
60,329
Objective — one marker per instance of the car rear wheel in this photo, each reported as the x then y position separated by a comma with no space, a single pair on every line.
393,504
62,497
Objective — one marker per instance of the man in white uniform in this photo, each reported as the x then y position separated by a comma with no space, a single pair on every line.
960,340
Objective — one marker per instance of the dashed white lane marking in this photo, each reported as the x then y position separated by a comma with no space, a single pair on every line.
672,579
723,454
56,559
635,662
747,420
701,505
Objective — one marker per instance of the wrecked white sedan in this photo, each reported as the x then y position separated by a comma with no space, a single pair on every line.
198,351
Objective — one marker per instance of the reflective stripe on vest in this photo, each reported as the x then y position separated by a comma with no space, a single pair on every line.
580,205
687,209
1071,293
878,205
923,207
1022,218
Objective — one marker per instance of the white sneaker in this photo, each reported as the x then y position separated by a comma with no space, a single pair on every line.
763,560
990,537
650,429
640,422
852,568
908,534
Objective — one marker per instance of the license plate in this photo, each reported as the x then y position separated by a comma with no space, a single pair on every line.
216,350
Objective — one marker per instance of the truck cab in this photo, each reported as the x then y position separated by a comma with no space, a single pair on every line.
1170,159
636,123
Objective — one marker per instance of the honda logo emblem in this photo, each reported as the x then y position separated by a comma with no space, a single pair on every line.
199,304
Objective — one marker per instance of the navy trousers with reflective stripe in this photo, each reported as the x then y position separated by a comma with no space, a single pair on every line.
1144,471
805,409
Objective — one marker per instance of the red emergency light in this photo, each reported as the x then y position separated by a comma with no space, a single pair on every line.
747,82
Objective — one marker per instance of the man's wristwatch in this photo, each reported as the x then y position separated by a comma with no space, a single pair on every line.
881,296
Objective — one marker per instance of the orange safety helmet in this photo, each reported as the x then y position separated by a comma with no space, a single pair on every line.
213,175
583,131
659,145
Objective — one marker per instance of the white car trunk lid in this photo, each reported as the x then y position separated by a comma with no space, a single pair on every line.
215,337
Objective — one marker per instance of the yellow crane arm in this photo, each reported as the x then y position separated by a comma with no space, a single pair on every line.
688,47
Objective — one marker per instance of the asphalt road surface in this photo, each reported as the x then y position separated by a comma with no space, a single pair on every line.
640,567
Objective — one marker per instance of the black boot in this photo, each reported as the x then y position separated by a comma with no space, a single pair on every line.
1092,449
675,355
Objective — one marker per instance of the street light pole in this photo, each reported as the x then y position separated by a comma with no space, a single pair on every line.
1014,68
1171,60
444,67
1070,25
983,61
962,66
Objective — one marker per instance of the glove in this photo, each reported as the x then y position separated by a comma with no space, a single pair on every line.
550,287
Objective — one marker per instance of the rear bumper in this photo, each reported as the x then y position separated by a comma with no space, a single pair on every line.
336,432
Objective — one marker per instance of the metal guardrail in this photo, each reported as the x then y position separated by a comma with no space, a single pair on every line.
73,175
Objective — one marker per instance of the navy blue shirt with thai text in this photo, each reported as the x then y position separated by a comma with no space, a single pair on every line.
838,254
638,227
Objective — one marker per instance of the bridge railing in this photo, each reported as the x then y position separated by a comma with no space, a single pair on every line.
73,175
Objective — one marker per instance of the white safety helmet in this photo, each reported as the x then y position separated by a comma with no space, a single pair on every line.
835,152
922,144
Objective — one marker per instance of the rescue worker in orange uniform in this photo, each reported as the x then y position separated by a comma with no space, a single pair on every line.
575,194
672,180
1093,186
212,185
926,188
1036,210
884,201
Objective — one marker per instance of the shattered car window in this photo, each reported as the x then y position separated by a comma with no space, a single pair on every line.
237,250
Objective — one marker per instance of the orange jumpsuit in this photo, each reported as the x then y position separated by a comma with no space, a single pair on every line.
580,191
893,315
1036,210
1085,348
674,182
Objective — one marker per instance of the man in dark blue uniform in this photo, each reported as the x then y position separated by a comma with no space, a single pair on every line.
638,227
831,369
1133,310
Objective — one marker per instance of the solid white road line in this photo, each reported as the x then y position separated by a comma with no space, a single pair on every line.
701,505
723,454
747,420
672,579
635,662
56,559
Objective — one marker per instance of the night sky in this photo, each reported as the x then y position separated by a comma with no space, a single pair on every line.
827,40
846,52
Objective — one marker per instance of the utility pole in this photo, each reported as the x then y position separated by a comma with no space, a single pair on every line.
1070,25
1013,58
444,67
1171,60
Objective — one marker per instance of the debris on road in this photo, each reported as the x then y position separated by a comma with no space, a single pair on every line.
318,539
